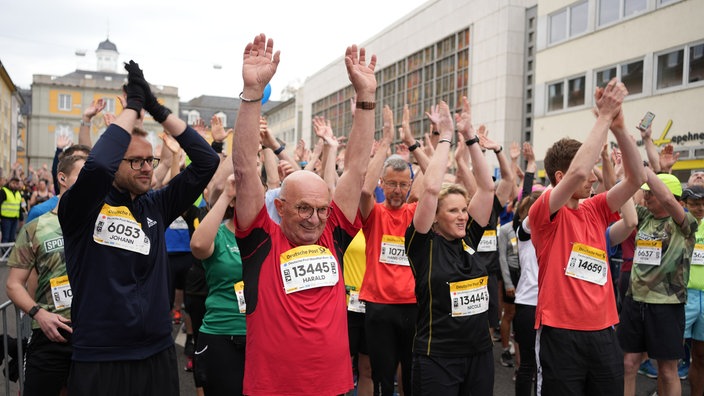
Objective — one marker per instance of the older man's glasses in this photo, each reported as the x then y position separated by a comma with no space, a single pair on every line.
395,185
138,163
305,212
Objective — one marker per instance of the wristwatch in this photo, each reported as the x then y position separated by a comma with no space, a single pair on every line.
471,141
34,311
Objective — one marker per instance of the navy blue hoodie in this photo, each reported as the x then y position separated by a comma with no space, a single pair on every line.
120,308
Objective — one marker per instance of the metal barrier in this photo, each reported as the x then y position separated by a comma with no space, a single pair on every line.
5,249
23,329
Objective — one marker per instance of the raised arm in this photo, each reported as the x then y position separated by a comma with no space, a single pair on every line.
323,129
665,196
432,182
667,158
270,142
95,107
413,145
650,150
376,164
481,202
203,239
258,67
608,102
361,74
633,170
505,188
621,229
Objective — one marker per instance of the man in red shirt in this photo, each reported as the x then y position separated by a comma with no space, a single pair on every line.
576,344
296,308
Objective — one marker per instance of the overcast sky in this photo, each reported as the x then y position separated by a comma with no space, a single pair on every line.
178,42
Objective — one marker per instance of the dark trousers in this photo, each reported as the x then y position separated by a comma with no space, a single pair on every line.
390,330
523,326
47,365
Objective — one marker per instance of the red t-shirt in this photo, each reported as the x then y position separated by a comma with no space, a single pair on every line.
388,278
297,342
564,301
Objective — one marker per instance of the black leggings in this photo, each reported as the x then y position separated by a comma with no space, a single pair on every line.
390,330
525,337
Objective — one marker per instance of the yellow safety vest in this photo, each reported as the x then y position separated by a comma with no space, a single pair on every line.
10,207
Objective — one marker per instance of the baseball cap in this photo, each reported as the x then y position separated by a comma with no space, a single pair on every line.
693,192
671,182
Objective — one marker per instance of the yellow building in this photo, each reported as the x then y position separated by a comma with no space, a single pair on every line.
58,103
10,103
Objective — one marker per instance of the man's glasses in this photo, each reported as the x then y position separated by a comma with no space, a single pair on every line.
305,212
138,163
394,185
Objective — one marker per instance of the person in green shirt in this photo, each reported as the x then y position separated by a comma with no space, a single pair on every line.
693,197
220,350
652,317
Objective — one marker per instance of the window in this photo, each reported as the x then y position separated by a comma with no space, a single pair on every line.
555,97
669,69
578,18
575,95
577,92
631,74
568,22
110,105
696,63
613,10
558,26
632,77
64,102
193,116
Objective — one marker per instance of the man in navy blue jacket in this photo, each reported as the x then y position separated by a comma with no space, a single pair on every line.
116,257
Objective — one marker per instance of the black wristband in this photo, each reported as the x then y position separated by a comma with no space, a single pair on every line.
280,149
217,146
499,150
471,141
34,311
414,146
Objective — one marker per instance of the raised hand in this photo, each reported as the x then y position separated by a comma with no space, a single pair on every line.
108,118
646,133
217,130
514,151
609,99
63,141
170,142
199,126
267,138
464,120
323,129
360,73
528,154
259,64
484,140
668,158
402,150
95,107
433,115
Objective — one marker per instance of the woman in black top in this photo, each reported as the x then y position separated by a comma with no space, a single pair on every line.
452,347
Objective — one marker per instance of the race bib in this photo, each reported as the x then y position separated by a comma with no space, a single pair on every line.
354,304
239,292
467,248
489,242
469,297
307,267
588,264
393,251
117,227
698,254
61,292
647,252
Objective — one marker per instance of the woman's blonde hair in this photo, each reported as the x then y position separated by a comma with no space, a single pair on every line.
452,188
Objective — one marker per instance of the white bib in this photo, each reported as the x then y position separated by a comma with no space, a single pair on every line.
698,254
307,267
469,297
393,250
117,227
61,292
355,305
588,264
489,242
648,252
239,292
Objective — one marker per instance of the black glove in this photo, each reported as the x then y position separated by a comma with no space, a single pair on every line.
135,97
151,105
